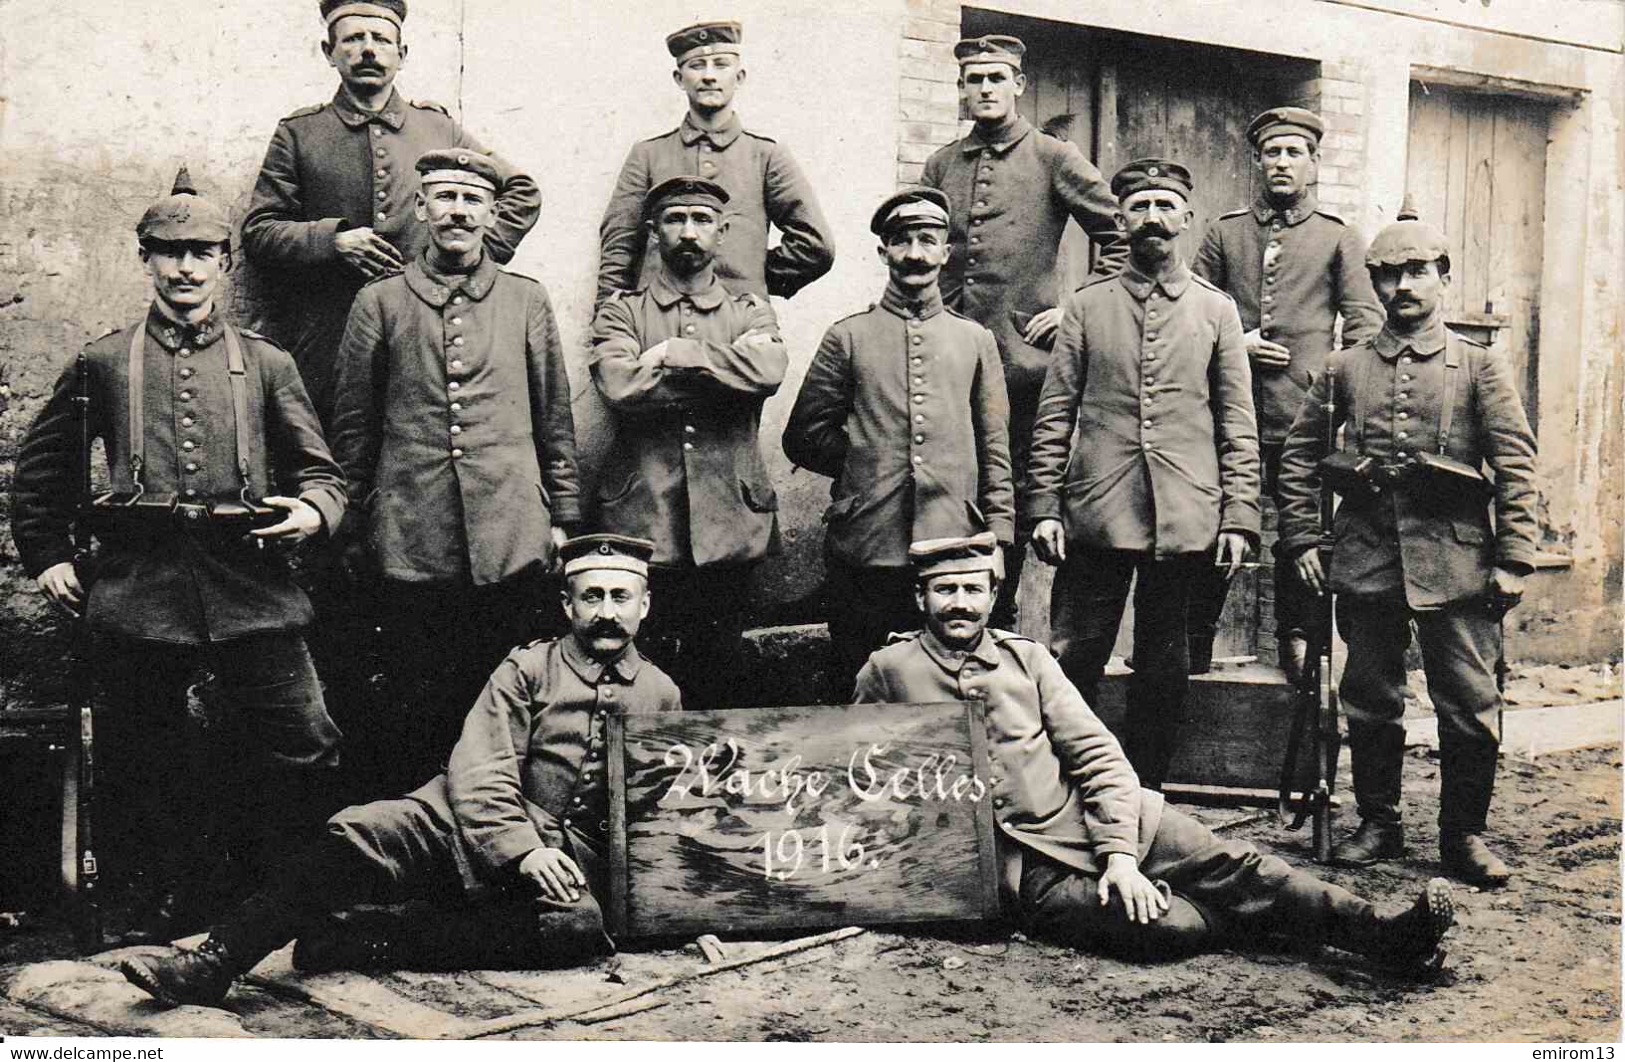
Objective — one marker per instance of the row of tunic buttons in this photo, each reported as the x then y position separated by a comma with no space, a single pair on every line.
377,134
455,365
1151,315
688,330
578,803
1403,414
973,670
916,362
1268,299
186,372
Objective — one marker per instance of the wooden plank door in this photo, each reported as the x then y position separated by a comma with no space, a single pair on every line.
1476,167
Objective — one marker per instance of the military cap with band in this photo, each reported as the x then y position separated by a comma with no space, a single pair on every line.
1143,174
394,10
980,552
457,166
685,190
1408,239
183,216
910,206
1281,121
993,48
606,552
705,38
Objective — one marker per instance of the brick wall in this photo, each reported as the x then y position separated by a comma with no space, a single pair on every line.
928,96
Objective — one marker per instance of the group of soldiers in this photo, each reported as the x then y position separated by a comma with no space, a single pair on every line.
1123,432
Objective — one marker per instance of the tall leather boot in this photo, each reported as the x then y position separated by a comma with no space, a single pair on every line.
1405,941
507,933
1377,756
1466,784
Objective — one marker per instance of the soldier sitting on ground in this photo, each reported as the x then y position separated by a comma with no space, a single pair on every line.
1088,857
505,851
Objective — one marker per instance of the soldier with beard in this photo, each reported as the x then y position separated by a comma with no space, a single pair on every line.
1151,371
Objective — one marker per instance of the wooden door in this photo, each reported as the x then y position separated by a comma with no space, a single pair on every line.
1476,167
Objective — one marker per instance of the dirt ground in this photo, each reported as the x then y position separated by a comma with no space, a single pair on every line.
1537,961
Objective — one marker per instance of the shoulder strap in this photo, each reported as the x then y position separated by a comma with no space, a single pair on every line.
236,374
1447,408
137,398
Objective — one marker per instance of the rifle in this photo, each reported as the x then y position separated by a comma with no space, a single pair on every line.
86,876
1317,693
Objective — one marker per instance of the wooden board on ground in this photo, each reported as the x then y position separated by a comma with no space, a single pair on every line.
1234,735
771,818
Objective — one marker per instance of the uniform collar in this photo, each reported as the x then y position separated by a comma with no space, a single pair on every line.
690,133
623,669
895,302
1265,211
393,113
1009,137
1174,280
951,660
1423,343
666,296
172,336
435,289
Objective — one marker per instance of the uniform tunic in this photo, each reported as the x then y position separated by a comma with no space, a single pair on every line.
529,770
1292,272
904,407
188,588
1153,374
1426,547
334,167
686,467
765,188
1011,197
453,423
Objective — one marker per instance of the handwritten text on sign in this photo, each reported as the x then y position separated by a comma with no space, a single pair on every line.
804,816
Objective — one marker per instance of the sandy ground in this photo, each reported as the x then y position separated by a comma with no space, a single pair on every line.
1538,961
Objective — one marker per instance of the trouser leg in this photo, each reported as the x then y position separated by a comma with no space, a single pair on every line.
1460,645
865,605
1085,609
694,631
287,744
147,807
1250,893
386,851
1161,678
1006,607
1378,632
1062,905
1210,586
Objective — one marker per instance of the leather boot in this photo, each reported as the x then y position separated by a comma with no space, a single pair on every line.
201,977
1377,756
1466,784
1405,941
1201,654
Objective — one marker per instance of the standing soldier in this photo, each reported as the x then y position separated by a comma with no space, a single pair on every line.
1422,410
203,424
1293,268
1151,371
903,407
334,204
685,366
764,185
453,425
1011,190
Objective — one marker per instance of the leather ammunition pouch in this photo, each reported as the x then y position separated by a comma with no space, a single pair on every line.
1352,475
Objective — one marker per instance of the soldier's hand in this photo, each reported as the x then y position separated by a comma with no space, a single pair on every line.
1143,902
1506,589
1310,571
367,252
655,356
555,873
301,522
1043,326
1264,354
60,583
1049,539
1230,553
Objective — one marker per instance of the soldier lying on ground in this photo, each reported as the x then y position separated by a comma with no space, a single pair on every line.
1088,858
505,851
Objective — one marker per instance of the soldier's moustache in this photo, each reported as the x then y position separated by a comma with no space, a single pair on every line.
606,628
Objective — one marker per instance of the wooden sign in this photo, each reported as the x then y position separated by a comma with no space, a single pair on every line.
770,818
